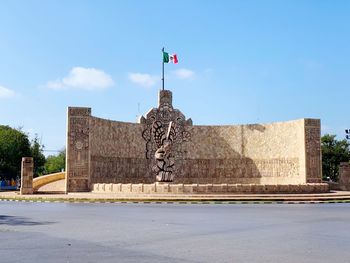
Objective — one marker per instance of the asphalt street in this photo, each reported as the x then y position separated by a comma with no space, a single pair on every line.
64,232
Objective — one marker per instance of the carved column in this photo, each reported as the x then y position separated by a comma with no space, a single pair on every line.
27,176
78,150
313,155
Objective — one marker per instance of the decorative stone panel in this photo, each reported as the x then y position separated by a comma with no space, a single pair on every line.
313,151
78,149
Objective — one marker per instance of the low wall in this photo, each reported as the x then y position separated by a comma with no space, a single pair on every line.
46,179
164,188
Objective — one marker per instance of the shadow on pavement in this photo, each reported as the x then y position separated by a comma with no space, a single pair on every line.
20,221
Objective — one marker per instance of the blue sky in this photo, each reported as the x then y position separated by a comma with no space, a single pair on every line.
239,61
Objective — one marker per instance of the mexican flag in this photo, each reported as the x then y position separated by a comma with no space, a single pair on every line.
169,58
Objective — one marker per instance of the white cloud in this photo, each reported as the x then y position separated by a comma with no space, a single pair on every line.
83,78
183,73
6,93
145,80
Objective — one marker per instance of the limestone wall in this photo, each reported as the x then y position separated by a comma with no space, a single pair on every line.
268,154
117,152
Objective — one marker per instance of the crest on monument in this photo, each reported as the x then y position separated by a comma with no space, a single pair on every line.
166,129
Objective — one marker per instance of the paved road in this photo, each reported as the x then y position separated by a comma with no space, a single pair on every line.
59,232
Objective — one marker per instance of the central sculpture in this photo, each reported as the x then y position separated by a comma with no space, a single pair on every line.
163,155
165,130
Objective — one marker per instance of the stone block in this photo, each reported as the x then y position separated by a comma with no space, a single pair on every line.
126,188
137,188
176,188
95,187
283,188
293,189
109,188
162,188
217,188
209,188
257,188
202,188
247,188
149,188
231,188
117,188
239,188
271,188
188,188
195,188
224,188
305,188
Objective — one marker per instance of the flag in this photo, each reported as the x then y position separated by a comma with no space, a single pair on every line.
169,58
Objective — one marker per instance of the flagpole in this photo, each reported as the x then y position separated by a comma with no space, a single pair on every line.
163,68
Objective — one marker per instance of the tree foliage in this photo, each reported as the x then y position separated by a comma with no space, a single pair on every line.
14,144
333,152
55,163
36,150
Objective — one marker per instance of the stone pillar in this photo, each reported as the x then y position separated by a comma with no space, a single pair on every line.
313,157
344,176
165,97
27,176
78,150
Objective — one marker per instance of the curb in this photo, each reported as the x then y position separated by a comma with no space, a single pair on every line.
199,202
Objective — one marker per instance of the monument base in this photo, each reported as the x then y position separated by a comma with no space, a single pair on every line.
167,188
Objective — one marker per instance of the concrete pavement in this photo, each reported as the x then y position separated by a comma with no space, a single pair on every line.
65,232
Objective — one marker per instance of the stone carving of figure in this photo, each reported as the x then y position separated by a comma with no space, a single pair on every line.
163,168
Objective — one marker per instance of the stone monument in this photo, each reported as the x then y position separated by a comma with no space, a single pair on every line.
27,176
165,147
344,176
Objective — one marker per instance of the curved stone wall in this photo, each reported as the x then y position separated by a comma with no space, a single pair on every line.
117,152
105,151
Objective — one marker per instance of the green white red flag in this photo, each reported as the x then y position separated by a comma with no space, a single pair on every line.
170,58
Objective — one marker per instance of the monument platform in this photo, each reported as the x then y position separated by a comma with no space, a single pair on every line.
93,197
169,188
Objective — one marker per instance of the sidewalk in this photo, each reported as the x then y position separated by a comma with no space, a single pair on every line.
334,196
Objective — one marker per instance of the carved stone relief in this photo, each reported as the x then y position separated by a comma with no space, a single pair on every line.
313,150
165,130
78,149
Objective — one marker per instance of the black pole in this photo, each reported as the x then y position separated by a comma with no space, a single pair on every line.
163,68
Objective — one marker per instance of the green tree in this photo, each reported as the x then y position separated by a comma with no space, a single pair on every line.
55,163
333,152
14,145
36,150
